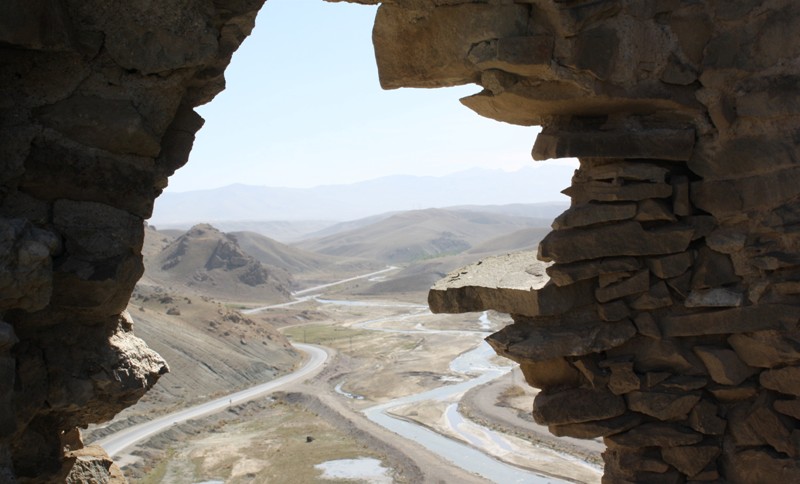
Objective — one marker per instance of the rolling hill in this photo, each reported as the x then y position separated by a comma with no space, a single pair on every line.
419,235
209,262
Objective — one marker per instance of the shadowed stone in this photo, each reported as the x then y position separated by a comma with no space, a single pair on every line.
654,435
704,419
610,192
663,406
597,428
690,460
622,239
594,213
788,407
723,365
766,349
726,321
527,342
785,380
657,297
650,210
662,144
670,266
757,466
576,406
636,284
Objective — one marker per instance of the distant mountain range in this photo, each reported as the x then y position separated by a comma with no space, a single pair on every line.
335,203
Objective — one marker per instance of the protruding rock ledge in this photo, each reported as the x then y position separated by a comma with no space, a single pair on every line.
512,283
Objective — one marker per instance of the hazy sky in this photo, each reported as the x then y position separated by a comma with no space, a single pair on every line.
303,107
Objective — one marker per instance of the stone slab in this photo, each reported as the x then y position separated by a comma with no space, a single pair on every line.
511,283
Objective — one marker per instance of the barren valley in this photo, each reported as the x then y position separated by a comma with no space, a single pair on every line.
223,309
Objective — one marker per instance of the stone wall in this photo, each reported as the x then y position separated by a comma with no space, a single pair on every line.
96,103
669,323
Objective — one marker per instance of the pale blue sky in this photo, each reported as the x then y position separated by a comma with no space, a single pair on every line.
303,107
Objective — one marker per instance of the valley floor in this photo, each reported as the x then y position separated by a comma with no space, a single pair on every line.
381,350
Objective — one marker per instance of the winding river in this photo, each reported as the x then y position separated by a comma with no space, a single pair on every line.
477,368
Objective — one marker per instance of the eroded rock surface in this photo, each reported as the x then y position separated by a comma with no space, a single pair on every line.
683,221
96,103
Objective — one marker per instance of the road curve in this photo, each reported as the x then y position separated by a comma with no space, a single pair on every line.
117,442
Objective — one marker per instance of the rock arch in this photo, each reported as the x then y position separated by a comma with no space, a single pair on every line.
670,322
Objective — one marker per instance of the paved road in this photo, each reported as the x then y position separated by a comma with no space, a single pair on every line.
119,441
316,289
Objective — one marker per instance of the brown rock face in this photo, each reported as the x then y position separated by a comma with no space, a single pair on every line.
673,304
96,113
683,221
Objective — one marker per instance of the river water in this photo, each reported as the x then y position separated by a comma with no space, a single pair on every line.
477,368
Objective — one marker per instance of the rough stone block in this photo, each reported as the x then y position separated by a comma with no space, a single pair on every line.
681,203
663,406
552,374
656,355
433,50
669,266
690,460
589,191
767,349
755,466
615,240
712,269
729,199
623,379
526,342
112,125
655,435
788,407
729,394
724,365
661,144
636,284
757,424
647,326
704,419
783,380
510,283
614,311
657,297
524,56
719,297
734,320
565,274
594,213
650,210
623,171
598,428
576,406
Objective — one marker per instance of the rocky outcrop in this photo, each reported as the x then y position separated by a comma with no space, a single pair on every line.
669,324
96,113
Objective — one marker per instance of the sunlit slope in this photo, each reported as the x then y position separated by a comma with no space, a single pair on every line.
418,235
209,262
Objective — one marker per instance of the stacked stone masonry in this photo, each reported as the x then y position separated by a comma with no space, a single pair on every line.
668,324
96,103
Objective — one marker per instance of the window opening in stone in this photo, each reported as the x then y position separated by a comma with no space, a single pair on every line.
319,209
